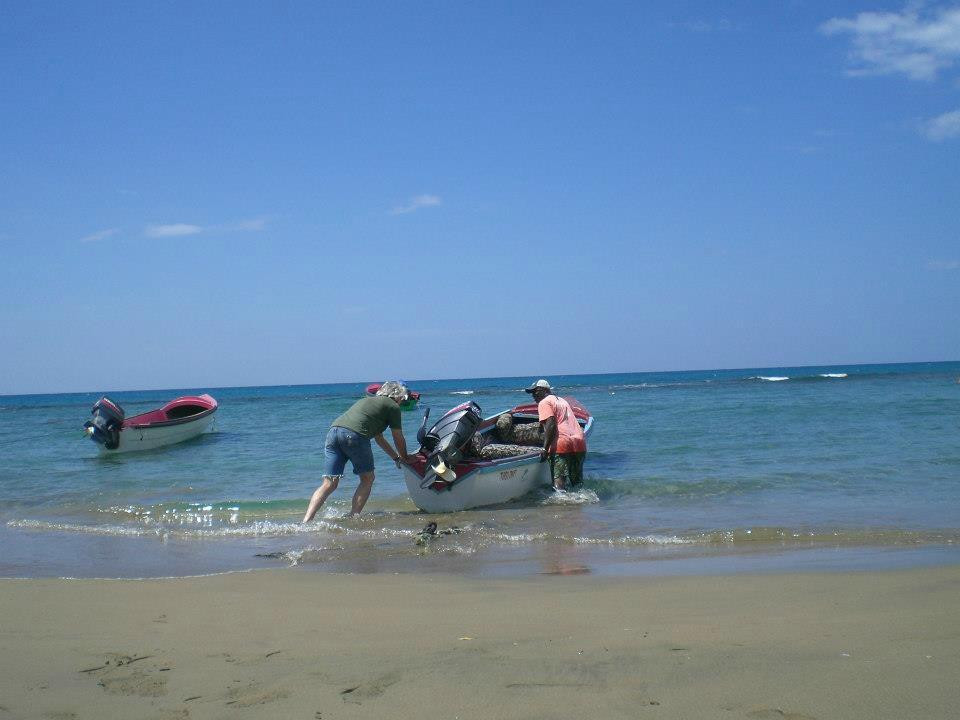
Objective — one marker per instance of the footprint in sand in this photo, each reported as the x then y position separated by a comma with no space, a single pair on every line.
115,660
370,689
250,695
167,714
777,714
134,683
117,677
248,659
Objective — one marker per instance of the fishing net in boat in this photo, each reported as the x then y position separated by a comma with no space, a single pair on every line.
478,442
510,431
498,451
514,439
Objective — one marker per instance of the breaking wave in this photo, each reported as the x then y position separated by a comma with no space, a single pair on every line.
339,537
583,496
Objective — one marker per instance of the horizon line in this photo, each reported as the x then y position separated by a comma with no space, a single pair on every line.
486,377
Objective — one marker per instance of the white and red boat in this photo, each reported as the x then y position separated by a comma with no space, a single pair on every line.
444,479
180,419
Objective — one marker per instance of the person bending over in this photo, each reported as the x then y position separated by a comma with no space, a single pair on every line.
349,439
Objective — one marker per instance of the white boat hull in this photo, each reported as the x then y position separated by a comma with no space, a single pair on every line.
497,483
486,482
133,439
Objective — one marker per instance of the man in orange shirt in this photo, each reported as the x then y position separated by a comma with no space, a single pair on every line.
563,440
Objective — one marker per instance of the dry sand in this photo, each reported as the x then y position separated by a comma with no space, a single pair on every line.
294,644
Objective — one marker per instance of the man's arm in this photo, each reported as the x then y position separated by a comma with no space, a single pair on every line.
401,442
385,446
549,435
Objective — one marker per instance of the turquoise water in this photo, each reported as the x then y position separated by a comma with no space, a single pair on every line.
836,466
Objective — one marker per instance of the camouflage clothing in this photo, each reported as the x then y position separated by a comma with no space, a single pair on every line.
509,431
567,467
483,446
476,445
498,451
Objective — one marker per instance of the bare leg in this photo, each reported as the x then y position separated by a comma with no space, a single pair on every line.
362,493
559,482
320,495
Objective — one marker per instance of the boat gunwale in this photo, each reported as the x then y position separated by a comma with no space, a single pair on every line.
199,400
168,423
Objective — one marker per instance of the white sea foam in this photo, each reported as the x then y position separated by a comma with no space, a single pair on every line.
635,540
770,378
153,528
295,556
521,538
572,497
461,392
130,531
621,541
833,375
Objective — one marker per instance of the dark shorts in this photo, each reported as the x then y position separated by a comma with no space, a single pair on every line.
344,444
568,467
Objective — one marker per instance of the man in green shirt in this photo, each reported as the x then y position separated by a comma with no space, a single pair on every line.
349,439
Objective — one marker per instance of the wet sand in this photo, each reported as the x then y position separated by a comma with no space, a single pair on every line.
295,644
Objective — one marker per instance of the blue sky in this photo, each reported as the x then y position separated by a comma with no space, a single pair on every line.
215,194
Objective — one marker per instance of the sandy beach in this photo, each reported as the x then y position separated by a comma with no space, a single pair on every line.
296,644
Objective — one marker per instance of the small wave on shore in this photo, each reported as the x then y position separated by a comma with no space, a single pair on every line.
818,377
582,496
201,528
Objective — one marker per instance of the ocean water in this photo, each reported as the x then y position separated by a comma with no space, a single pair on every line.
840,467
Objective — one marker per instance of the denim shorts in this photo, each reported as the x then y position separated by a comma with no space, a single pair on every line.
344,444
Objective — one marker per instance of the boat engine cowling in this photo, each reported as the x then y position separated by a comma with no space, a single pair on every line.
443,443
105,425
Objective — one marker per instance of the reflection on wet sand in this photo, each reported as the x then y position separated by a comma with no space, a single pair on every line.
562,560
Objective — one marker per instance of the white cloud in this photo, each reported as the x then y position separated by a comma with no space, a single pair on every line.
99,235
175,230
943,265
916,42
254,225
420,201
943,127
182,229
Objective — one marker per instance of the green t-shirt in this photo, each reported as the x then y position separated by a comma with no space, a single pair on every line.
370,416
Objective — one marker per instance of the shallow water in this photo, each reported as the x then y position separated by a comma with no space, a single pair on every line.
839,466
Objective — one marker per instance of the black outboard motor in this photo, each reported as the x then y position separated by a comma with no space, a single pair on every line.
105,426
443,444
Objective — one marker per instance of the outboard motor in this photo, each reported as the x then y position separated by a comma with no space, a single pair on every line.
443,444
106,423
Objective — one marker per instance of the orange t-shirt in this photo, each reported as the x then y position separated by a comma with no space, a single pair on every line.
569,433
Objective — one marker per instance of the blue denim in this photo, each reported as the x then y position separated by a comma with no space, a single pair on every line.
345,444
